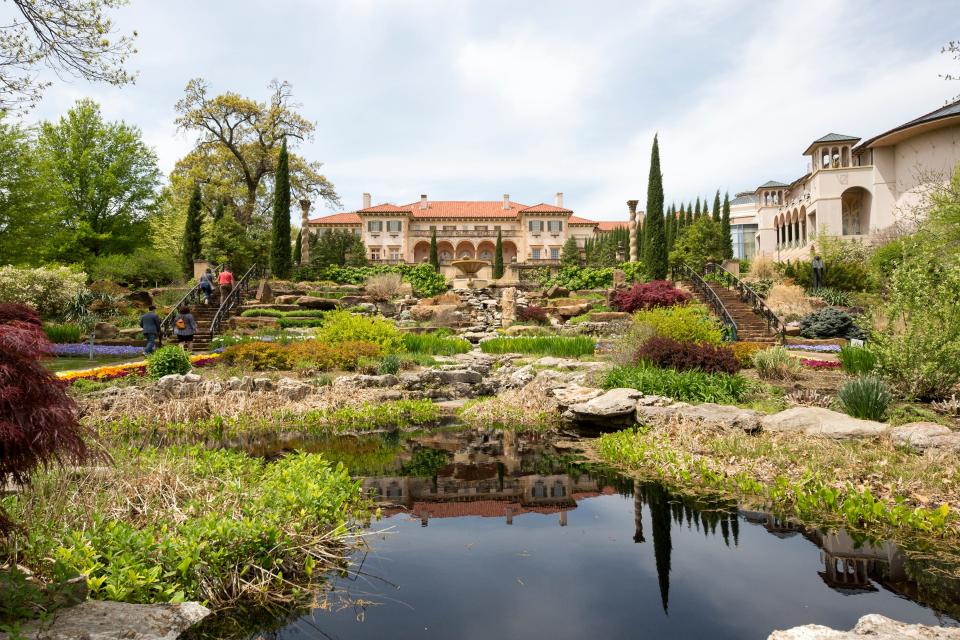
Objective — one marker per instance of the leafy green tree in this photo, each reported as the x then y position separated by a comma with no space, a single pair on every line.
229,241
192,233
73,37
25,220
698,244
340,247
102,181
280,237
434,255
298,248
716,206
655,256
218,210
725,227
570,256
498,257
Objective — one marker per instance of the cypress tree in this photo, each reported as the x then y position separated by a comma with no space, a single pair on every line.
655,256
192,232
725,226
716,206
696,210
297,255
434,255
280,240
688,220
641,239
498,257
570,256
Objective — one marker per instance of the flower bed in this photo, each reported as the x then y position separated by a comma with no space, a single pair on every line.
128,369
83,349
820,364
815,348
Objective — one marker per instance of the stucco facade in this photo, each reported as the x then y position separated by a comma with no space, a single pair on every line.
853,188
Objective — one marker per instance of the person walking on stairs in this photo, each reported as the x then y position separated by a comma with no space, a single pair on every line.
226,283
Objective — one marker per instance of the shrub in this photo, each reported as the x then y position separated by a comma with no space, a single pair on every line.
48,290
829,323
689,386
305,313
167,360
341,326
658,293
142,268
558,346
62,333
258,356
833,297
532,313
866,397
574,278
844,274
762,268
776,363
425,281
743,352
634,271
684,356
38,421
262,313
383,286
435,343
390,364
313,354
762,287
857,360
789,299
684,323
287,323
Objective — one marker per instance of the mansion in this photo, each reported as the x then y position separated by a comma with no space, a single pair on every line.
852,187
531,234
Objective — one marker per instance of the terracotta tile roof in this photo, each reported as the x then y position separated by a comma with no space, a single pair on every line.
465,209
579,220
610,225
543,207
386,208
337,218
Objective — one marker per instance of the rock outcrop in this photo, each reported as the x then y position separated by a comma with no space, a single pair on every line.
872,626
105,620
921,436
817,421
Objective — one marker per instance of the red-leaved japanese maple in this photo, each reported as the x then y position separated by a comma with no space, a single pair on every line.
647,295
38,421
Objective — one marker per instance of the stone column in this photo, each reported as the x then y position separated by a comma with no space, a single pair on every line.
632,205
304,232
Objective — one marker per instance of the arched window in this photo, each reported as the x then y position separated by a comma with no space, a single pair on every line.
558,490
824,158
852,212
845,157
835,158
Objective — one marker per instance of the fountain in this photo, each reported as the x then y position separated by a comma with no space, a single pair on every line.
469,268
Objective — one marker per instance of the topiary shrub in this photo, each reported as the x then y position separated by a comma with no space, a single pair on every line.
776,363
532,313
166,361
829,323
658,293
857,360
38,421
866,397
684,356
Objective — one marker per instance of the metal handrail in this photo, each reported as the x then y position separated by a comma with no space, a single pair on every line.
774,323
698,283
232,300
166,325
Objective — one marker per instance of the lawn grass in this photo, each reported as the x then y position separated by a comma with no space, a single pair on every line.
73,363
557,346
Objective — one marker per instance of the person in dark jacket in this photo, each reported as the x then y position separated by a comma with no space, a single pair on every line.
206,285
185,327
817,266
150,325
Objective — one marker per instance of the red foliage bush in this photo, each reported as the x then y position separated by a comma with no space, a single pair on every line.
683,356
532,313
646,295
38,421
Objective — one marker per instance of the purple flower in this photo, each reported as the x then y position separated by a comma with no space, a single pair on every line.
83,349
816,348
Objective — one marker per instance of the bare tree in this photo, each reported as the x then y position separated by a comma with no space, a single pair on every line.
953,48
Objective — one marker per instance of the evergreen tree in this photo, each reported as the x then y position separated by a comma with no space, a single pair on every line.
297,249
570,256
725,225
218,211
280,239
192,232
716,206
498,258
696,210
641,239
655,256
688,220
434,256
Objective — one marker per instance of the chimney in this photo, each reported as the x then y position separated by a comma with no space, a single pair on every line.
506,201
423,201
366,200
559,200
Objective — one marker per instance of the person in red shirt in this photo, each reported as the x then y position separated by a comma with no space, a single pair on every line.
225,280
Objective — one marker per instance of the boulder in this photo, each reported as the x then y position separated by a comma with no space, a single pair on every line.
107,620
105,331
521,329
575,394
361,381
262,384
609,316
619,278
460,376
817,421
556,291
921,436
422,312
264,292
350,301
293,389
614,404
873,626
276,306
141,299
387,308
508,306
522,376
572,310
323,304
719,416
286,299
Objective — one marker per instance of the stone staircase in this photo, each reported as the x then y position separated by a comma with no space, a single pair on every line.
751,326
203,314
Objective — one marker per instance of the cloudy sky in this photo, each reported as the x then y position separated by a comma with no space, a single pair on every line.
474,99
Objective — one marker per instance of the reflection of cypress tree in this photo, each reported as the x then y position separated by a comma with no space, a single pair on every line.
735,528
688,512
713,523
725,530
662,546
706,525
637,513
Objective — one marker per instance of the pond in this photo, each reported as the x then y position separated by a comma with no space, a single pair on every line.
488,534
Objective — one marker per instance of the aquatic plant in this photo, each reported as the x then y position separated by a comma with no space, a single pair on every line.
689,386
435,343
558,346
